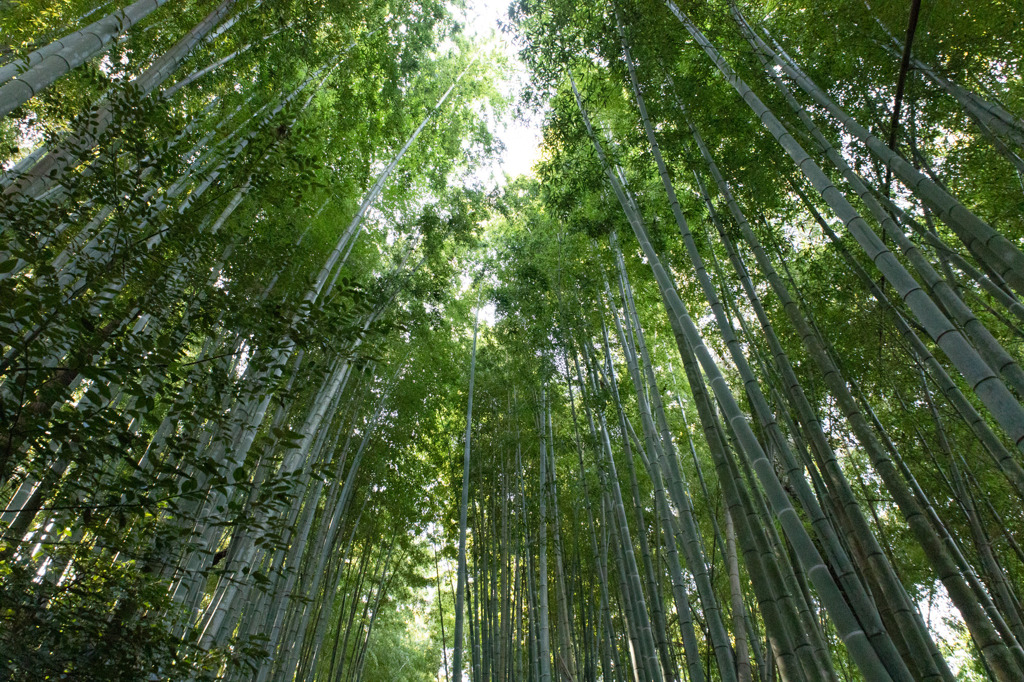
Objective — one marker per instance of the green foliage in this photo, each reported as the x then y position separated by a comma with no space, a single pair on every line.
220,459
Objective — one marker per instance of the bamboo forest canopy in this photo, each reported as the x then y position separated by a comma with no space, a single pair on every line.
297,384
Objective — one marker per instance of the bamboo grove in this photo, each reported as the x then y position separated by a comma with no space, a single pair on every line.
728,389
